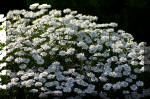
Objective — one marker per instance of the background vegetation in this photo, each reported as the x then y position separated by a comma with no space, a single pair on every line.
133,16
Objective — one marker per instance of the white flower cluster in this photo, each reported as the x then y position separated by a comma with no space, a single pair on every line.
2,29
62,51
2,49
2,18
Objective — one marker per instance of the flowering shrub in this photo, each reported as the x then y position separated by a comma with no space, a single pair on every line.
57,52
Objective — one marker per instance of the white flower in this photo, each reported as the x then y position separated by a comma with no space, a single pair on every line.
38,58
5,72
103,78
107,86
81,56
2,36
20,73
105,54
126,67
31,74
77,90
94,79
57,92
128,80
132,55
14,79
55,13
67,10
29,83
24,77
43,74
126,73
97,54
2,18
141,57
114,58
81,82
70,51
2,65
134,87
92,49
44,6
142,62
123,59
90,74
113,74
22,66
134,63
45,47
82,44
113,24
62,53
22,60
90,89
117,50
43,54
92,58
118,69
124,84
3,87
67,89
132,76
43,80
38,84
40,69
20,53
63,42
140,83
40,61
137,70
34,90
105,38
10,58
56,63
34,6
71,70
2,54
50,76
60,77
49,84
116,86
142,69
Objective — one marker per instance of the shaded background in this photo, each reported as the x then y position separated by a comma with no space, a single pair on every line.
133,16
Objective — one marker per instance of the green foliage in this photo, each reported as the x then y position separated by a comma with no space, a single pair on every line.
2,45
